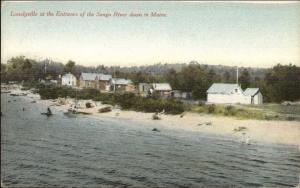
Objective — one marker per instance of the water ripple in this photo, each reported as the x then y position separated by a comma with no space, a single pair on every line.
104,152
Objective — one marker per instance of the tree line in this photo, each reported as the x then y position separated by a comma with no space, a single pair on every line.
279,83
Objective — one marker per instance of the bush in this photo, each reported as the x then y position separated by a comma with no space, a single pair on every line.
173,107
230,110
106,98
126,100
201,103
201,110
211,108
52,91
29,85
267,117
290,118
48,92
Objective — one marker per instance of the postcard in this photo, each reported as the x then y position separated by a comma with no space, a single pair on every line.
150,94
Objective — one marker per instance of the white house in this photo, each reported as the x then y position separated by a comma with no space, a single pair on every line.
233,94
68,80
255,94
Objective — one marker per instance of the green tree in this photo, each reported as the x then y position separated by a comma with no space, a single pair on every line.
213,77
101,68
3,72
244,79
70,67
194,79
21,68
227,77
172,79
283,82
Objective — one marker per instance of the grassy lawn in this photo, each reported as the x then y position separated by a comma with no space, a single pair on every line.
279,108
261,112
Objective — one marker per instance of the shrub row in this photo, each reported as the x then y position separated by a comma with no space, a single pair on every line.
128,101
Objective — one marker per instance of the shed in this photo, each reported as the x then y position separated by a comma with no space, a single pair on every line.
121,84
161,89
255,94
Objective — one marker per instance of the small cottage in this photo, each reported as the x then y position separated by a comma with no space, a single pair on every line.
161,89
102,82
122,85
87,80
68,80
95,80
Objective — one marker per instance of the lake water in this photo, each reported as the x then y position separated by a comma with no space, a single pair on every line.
104,152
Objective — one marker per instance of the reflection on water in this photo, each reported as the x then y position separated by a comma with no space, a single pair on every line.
83,151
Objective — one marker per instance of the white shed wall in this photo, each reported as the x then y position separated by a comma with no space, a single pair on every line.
228,98
258,98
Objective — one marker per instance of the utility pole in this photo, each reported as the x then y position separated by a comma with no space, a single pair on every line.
237,75
114,79
45,67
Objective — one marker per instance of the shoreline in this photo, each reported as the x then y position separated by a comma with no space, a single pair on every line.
275,132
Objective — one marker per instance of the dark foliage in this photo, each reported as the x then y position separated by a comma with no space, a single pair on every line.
127,101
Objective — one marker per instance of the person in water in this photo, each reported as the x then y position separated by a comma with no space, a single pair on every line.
49,111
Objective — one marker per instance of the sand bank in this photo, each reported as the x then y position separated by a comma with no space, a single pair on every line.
281,132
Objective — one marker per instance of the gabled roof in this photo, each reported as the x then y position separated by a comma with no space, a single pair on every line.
105,77
222,88
145,84
120,81
88,76
68,75
161,86
93,76
251,91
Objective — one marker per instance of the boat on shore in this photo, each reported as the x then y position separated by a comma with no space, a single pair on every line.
18,94
5,91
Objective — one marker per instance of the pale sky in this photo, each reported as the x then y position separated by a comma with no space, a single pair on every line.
251,34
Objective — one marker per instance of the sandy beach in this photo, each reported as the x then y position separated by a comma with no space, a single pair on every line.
279,132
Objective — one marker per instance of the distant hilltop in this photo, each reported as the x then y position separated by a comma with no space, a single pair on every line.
162,68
